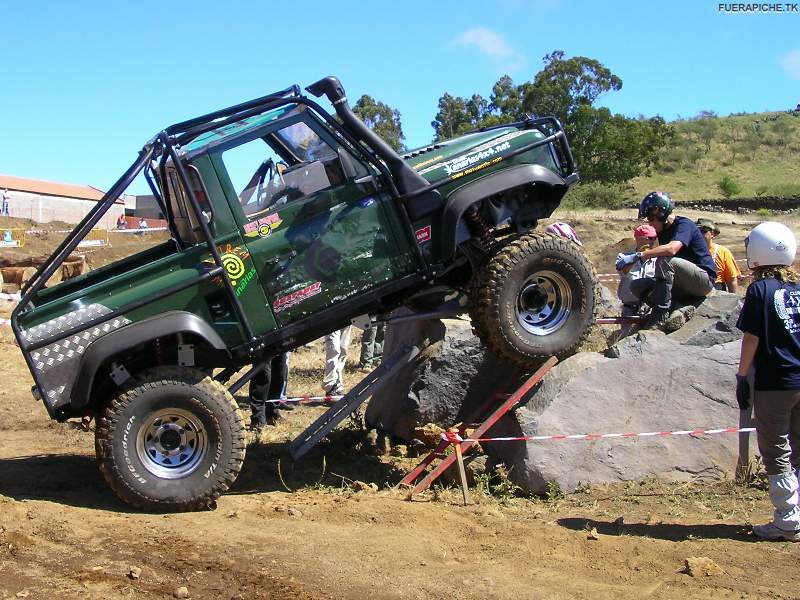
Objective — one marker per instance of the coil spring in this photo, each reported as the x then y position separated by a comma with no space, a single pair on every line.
479,228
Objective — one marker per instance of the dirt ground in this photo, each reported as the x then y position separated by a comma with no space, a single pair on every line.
318,529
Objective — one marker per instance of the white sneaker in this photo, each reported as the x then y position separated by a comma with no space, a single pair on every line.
769,531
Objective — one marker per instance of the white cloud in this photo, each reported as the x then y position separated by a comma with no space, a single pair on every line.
791,63
493,45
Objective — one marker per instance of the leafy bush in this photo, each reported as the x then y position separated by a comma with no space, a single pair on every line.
728,186
596,195
762,190
785,190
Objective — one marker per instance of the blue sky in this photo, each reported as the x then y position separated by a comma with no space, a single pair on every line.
85,84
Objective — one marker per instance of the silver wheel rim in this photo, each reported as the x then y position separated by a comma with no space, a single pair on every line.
544,303
172,443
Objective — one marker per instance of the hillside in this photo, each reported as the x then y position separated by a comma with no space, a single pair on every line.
759,152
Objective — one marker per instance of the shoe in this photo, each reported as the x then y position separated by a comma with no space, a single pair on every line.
656,319
271,421
771,532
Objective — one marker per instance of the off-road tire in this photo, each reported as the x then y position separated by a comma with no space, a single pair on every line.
495,296
131,459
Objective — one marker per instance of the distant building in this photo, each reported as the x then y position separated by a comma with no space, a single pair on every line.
144,206
47,201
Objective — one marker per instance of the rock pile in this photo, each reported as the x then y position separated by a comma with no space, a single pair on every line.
658,383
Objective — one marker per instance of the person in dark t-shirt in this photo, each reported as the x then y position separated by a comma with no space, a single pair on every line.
770,320
684,268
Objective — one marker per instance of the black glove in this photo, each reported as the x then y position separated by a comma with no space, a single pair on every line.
742,392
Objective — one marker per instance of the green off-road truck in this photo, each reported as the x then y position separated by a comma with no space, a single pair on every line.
285,224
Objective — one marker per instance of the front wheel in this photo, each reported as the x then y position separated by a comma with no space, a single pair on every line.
534,299
172,441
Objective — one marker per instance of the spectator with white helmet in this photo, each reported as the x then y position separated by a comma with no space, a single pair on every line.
684,267
565,230
770,320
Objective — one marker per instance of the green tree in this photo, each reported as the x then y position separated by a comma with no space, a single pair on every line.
706,128
614,148
607,148
565,85
452,118
382,119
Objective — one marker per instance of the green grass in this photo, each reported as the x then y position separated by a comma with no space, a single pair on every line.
767,147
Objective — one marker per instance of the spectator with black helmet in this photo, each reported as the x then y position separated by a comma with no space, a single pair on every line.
728,271
770,320
684,267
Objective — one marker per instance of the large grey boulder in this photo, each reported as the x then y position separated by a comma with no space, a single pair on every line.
657,384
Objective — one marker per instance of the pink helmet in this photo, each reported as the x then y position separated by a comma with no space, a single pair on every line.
564,230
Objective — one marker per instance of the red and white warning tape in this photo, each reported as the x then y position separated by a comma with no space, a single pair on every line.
453,437
306,399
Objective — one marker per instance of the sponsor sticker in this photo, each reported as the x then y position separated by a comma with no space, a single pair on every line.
296,297
423,235
478,158
263,227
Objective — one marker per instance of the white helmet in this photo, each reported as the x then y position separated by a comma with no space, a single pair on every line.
770,244
564,230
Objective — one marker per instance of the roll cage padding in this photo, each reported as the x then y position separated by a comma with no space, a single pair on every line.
130,336
460,200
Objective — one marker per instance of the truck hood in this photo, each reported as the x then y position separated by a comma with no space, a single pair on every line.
443,159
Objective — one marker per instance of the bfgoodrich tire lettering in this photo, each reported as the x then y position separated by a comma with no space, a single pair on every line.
172,441
535,298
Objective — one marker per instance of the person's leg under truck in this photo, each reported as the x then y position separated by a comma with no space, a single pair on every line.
774,412
368,345
335,357
258,395
279,366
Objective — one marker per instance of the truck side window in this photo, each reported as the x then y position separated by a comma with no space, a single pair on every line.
185,220
286,165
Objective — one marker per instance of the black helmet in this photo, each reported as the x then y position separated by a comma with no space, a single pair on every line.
657,206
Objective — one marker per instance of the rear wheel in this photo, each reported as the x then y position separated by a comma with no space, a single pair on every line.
174,440
534,299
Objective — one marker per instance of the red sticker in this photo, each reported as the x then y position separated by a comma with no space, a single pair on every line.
424,234
297,297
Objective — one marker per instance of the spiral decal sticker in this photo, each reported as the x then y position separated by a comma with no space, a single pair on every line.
234,267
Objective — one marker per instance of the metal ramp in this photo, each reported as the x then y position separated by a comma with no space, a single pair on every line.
344,407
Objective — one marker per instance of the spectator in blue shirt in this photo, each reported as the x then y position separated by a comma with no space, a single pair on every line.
684,268
770,320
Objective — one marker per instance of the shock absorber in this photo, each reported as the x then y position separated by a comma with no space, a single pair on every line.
478,227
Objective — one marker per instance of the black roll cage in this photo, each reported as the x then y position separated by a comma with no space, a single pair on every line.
165,145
